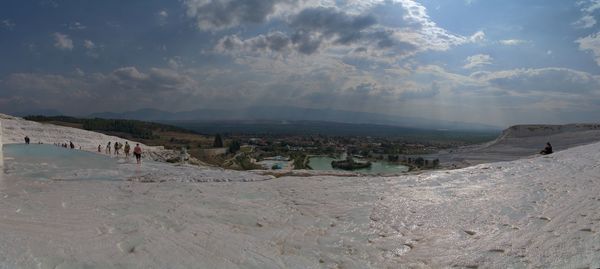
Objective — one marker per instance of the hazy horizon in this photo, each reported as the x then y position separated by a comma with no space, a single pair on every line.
496,63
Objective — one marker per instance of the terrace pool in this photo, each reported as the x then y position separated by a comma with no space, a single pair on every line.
49,162
323,163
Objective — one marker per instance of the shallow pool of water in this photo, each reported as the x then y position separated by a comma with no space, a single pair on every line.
56,163
323,163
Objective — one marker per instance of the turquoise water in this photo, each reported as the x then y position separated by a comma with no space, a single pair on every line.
322,163
52,162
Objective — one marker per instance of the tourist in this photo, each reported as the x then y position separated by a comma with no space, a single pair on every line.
117,148
27,140
137,151
108,148
126,149
547,150
71,145
100,148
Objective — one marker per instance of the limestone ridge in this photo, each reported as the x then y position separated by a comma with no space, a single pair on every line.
529,130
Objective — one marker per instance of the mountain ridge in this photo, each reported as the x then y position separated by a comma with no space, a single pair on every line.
292,114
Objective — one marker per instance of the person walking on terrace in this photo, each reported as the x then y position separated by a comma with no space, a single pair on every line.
126,149
137,151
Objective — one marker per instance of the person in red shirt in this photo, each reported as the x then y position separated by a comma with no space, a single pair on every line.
137,151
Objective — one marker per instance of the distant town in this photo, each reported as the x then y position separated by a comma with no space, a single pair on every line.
283,151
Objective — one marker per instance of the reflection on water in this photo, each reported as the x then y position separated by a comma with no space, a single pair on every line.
51,162
322,163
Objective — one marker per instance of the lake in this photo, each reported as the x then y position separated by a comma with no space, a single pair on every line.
323,163
37,161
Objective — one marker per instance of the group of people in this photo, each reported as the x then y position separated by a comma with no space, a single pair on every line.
66,145
137,150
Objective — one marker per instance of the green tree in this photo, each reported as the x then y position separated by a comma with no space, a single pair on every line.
419,161
234,146
218,141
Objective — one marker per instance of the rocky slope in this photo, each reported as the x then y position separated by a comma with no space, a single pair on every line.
522,141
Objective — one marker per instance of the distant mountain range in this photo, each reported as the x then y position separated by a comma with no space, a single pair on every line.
29,112
277,113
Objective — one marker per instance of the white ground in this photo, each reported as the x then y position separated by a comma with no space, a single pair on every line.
540,212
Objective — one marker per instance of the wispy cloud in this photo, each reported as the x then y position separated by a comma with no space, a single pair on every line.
588,7
513,42
162,16
477,60
62,42
355,32
77,26
88,44
8,24
591,43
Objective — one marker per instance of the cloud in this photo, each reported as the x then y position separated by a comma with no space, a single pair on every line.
79,91
271,42
354,31
211,15
29,90
543,80
512,42
174,62
422,92
342,27
62,42
477,60
427,34
588,7
79,72
591,43
477,37
313,84
88,44
8,24
162,16
77,26
129,73
587,21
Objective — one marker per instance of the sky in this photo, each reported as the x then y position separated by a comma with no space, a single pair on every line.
493,62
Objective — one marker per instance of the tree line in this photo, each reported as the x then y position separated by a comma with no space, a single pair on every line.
137,129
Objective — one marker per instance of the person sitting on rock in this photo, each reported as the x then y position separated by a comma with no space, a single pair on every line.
547,150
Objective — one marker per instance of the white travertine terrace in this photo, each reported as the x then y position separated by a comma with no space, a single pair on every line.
1,160
534,212
1,153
